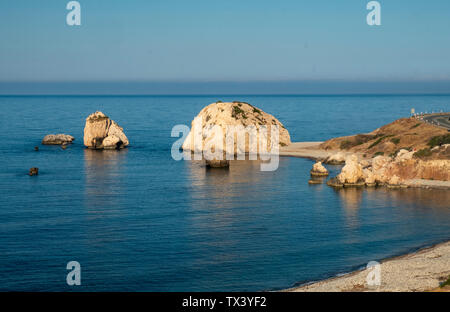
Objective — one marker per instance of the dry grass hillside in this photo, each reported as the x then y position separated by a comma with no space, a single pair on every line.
426,140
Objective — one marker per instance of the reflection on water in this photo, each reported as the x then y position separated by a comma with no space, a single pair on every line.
418,198
352,198
104,190
408,200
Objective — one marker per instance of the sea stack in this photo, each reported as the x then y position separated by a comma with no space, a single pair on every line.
318,170
100,132
235,119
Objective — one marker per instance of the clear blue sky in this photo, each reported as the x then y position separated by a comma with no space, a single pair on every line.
233,40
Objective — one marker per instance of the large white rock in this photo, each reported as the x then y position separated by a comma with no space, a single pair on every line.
100,132
210,129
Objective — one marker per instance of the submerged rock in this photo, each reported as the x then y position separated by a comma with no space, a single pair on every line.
334,182
218,163
57,139
34,171
100,132
233,119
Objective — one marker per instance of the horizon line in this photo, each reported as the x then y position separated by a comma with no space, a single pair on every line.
226,94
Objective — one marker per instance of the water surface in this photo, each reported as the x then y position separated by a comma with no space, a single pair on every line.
137,220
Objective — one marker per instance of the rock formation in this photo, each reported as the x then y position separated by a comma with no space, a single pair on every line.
389,171
352,172
336,159
57,139
100,132
319,170
235,120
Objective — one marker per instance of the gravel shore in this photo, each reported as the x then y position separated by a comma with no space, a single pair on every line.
420,271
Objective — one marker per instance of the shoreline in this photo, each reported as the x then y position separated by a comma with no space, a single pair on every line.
403,273
311,150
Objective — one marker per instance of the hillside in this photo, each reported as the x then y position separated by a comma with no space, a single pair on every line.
428,141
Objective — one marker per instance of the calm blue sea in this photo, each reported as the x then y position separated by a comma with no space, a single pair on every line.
136,220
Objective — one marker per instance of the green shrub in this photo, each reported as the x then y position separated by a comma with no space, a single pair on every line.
380,137
416,125
238,111
395,140
445,283
346,144
255,110
439,140
378,154
376,142
423,153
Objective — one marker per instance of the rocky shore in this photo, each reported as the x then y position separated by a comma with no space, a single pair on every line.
417,161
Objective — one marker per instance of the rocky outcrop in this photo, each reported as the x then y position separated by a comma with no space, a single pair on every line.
369,177
235,120
319,170
389,171
335,159
57,139
352,172
100,132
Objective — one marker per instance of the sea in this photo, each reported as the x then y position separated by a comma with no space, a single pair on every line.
138,220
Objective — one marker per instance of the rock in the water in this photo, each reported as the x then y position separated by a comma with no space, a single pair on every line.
34,171
36,148
57,139
315,181
334,182
100,132
218,163
203,136
319,170
352,172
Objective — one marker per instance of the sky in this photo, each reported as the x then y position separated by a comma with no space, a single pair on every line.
211,41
